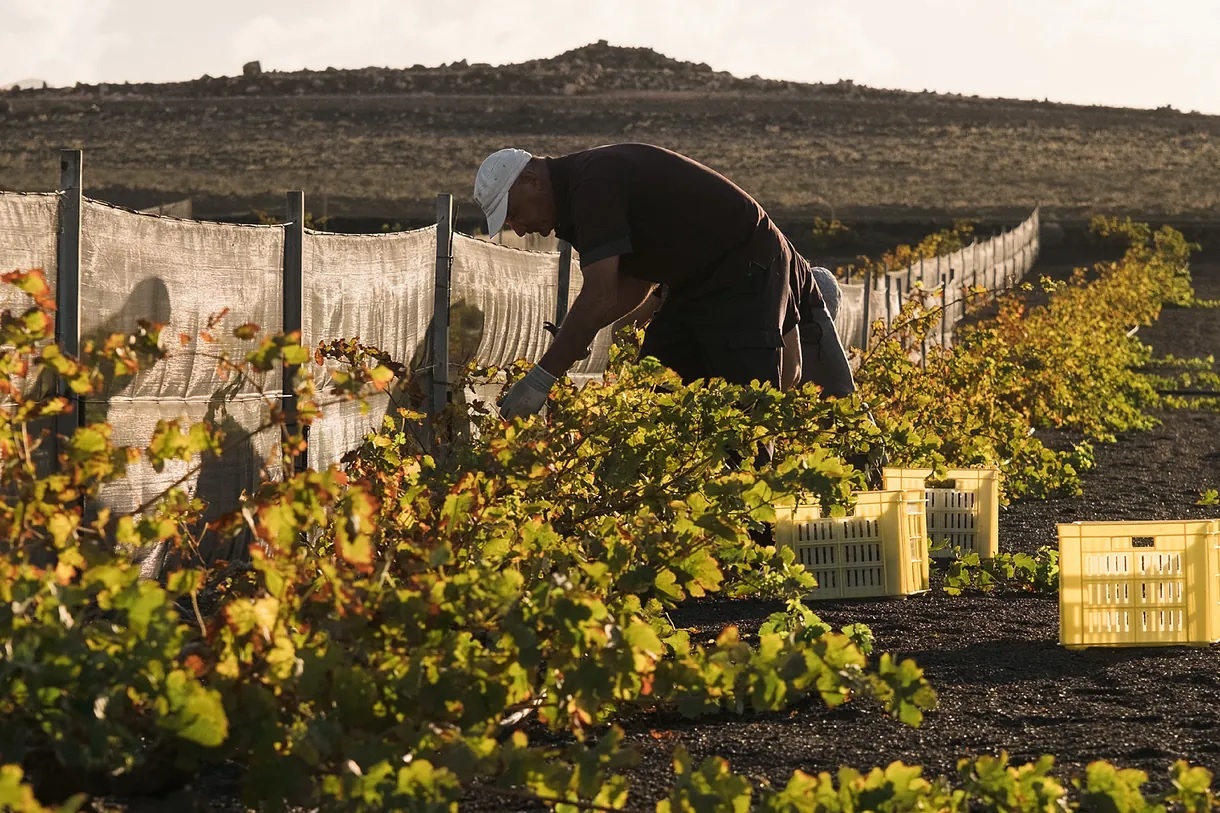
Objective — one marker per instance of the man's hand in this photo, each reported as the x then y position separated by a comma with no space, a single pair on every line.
528,395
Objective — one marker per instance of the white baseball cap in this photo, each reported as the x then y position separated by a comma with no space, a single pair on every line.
494,179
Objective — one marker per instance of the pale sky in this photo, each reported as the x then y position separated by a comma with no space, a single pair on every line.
1126,53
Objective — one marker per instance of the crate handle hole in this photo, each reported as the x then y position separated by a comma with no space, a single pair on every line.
1143,541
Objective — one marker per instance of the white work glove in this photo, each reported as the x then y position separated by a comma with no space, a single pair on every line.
528,395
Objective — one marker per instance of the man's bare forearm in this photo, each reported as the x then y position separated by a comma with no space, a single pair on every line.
605,296
581,325
575,335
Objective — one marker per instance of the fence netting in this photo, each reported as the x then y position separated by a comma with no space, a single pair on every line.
378,288
29,225
996,264
184,274
501,298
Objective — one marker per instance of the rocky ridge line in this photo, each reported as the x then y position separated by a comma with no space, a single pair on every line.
596,68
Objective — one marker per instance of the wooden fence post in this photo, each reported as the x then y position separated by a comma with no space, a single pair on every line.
293,309
565,281
998,261
67,279
1011,259
440,317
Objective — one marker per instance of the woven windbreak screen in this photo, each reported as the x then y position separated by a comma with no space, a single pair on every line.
997,264
501,298
181,273
248,457
29,223
379,289
28,226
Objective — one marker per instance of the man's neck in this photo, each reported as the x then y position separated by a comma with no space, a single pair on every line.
555,178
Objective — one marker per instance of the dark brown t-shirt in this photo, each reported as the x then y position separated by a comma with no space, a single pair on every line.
668,218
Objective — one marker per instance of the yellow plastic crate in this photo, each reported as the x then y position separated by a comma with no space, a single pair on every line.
1139,583
963,507
879,550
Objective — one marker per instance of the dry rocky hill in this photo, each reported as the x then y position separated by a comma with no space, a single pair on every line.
382,142
596,68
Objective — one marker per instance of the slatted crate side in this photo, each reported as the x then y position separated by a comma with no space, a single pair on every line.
873,552
1136,594
842,553
965,512
1138,583
917,559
